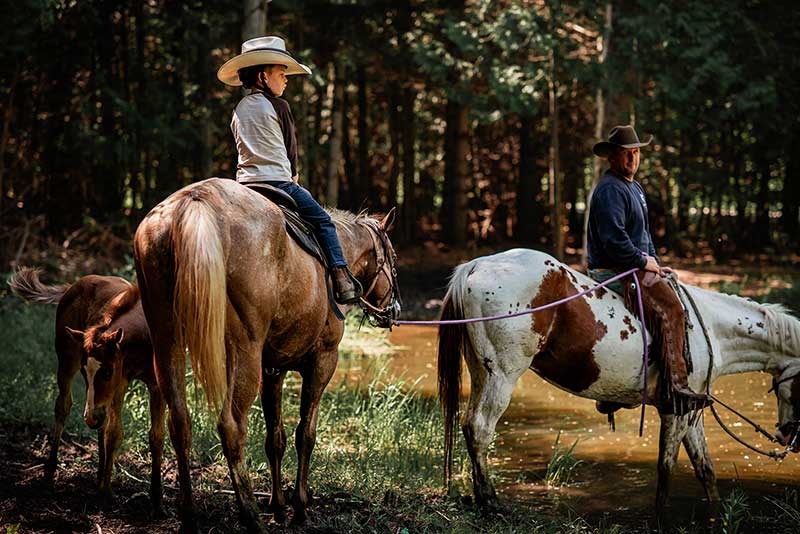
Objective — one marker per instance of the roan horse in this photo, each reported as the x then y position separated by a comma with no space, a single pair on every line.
101,331
219,275
592,347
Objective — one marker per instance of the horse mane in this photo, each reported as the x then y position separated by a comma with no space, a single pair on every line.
783,328
348,221
119,305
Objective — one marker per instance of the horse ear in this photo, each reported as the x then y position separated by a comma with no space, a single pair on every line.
77,335
388,220
118,336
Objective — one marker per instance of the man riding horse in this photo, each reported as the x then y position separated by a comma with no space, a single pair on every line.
263,127
619,239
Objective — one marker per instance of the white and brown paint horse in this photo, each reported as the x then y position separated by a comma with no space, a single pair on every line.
592,347
219,275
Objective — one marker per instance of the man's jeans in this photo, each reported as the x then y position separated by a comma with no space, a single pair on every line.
601,275
312,212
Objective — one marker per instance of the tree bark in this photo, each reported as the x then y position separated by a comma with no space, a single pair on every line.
394,140
529,186
337,127
791,200
599,126
555,185
361,192
461,144
408,212
255,19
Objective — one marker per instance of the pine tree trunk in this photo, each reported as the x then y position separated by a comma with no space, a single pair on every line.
599,127
791,201
528,187
461,178
554,171
337,127
255,19
408,212
394,140
362,193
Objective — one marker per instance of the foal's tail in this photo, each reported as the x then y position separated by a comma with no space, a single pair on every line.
453,342
200,294
26,285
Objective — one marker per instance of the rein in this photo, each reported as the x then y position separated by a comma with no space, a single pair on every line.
758,428
381,316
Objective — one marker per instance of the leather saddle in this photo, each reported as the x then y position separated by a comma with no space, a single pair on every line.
299,229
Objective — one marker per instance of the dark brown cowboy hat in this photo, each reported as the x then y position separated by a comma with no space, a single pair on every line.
619,137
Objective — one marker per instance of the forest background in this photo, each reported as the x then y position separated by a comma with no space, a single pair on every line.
475,118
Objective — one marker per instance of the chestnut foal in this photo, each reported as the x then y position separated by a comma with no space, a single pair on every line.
101,331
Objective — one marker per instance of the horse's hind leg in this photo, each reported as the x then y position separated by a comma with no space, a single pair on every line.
316,376
673,429
68,365
156,438
275,441
490,393
170,365
697,449
242,390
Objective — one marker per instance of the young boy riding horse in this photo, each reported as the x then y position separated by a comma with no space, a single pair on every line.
263,127
619,239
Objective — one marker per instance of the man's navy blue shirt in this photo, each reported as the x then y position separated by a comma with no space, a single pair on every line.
619,232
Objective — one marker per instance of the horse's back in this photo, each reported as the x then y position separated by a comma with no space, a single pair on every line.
590,345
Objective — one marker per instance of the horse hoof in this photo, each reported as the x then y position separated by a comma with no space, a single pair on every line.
279,515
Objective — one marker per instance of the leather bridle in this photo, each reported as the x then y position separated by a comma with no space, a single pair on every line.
790,428
385,259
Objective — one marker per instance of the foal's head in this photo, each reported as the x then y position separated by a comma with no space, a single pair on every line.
102,357
101,367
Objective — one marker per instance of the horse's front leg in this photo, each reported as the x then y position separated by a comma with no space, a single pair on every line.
697,449
232,426
275,441
112,439
673,428
156,439
315,377
68,365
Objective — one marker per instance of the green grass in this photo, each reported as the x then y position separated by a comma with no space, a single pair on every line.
562,465
735,512
379,441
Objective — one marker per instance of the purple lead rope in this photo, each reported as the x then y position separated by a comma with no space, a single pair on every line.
558,303
646,355
523,312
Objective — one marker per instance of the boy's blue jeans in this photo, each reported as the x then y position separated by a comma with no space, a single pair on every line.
312,212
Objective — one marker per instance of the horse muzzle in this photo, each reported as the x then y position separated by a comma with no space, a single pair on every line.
94,419
789,436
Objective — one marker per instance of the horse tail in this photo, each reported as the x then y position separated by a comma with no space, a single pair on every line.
453,342
26,285
200,293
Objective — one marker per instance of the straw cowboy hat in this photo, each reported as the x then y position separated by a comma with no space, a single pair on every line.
619,137
269,50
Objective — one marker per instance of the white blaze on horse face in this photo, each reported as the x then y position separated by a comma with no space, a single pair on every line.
92,366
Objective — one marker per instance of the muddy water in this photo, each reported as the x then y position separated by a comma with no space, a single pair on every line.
619,470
